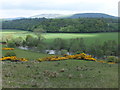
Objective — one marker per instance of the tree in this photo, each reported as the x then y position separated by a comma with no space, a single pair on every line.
74,47
18,41
77,45
59,44
82,46
11,44
30,41
110,47
38,32
64,52
96,49
41,48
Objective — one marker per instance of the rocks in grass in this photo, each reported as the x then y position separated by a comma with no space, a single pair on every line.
57,64
14,66
62,70
70,76
85,65
78,68
46,72
8,74
50,74
99,71
34,85
81,75
53,74
28,66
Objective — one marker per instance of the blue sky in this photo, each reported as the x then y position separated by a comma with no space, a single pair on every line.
27,8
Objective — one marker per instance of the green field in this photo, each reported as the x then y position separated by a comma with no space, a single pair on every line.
26,54
51,74
89,37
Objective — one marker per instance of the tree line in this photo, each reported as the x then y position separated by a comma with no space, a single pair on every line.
80,25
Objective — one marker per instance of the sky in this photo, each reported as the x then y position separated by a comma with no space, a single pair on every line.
27,8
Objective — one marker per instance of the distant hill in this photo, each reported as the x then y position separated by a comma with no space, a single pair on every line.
4,19
50,16
79,15
91,15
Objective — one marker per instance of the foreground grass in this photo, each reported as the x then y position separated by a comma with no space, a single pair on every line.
59,74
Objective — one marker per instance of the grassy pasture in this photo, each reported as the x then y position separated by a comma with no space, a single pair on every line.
26,54
89,37
57,74
49,74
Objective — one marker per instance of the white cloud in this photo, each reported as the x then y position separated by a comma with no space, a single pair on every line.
15,8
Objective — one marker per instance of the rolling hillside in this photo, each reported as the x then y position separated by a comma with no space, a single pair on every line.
79,15
91,15
63,16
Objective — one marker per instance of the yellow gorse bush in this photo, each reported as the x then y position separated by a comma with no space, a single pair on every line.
7,48
111,63
13,58
102,61
77,56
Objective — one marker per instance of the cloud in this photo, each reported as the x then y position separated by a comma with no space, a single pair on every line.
55,4
23,7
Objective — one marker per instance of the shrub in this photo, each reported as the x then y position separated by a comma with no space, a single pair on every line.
113,59
63,52
11,44
10,54
78,52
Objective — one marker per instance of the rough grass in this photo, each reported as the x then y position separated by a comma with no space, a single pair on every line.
57,74
60,74
31,55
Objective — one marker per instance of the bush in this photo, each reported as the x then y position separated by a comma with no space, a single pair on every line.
8,54
78,52
63,52
113,59
11,44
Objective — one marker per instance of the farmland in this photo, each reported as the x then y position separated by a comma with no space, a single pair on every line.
59,74
89,37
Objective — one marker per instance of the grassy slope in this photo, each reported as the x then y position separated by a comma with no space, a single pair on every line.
26,54
29,74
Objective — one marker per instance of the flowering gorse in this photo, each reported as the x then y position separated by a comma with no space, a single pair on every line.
77,56
7,48
13,58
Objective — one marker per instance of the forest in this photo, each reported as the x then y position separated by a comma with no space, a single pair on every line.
80,25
